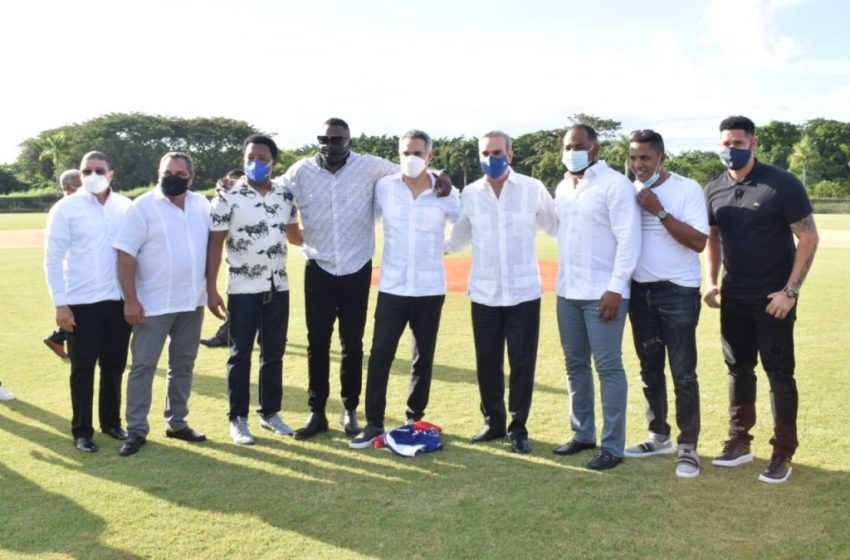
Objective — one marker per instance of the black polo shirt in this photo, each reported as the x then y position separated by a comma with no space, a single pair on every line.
754,217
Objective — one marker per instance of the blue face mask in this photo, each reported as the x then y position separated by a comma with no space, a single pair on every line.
493,166
576,161
652,179
257,171
735,158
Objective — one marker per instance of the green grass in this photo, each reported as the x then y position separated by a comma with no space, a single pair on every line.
22,221
318,499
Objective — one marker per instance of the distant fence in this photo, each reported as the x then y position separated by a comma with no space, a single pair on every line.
831,205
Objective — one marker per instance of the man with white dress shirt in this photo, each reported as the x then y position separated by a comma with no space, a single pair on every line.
500,215
255,216
598,248
334,193
664,306
162,249
82,276
412,287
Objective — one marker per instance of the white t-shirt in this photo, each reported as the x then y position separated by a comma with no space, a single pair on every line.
662,258
170,248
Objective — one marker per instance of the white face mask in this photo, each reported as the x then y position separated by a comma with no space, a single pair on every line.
95,183
576,160
412,166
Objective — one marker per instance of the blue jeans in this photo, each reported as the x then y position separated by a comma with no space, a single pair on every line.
664,317
584,334
267,312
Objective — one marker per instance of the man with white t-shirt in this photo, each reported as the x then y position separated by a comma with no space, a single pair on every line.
413,279
665,301
162,250
500,215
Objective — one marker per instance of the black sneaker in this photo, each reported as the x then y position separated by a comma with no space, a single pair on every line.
604,461
365,438
778,470
735,452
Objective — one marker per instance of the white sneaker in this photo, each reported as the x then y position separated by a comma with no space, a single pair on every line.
274,424
655,444
239,431
6,395
688,464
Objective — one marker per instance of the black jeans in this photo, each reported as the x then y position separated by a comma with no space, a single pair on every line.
101,336
268,313
328,298
519,327
392,314
748,331
664,318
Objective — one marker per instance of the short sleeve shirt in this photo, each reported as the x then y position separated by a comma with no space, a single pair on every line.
754,217
256,239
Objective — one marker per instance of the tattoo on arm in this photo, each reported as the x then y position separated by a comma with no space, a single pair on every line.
806,225
801,229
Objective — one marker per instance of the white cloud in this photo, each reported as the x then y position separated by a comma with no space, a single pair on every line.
745,30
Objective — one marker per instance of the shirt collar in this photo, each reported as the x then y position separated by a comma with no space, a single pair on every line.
351,157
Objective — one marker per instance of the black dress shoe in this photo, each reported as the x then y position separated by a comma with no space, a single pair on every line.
213,342
604,461
132,445
85,444
572,447
488,434
519,444
349,423
116,433
186,434
316,424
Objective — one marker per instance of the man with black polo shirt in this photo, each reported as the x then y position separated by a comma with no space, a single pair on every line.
755,212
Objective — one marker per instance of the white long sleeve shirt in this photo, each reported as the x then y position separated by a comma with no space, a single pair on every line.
170,248
80,265
598,235
414,231
503,233
336,210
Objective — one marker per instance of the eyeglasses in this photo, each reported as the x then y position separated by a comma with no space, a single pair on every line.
99,171
332,140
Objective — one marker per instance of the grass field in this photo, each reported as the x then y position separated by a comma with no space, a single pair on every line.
318,499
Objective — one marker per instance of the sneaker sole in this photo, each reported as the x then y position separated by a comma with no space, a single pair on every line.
776,480
362,445
639,454
687,474
746,458
271,429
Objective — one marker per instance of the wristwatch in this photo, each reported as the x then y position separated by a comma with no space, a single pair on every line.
791,292
662,214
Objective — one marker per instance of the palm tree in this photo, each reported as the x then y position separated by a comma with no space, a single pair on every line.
54,146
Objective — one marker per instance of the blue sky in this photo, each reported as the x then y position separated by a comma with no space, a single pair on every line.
448,67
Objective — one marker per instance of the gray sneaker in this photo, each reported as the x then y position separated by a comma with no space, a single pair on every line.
274,424
655,444
688,463
239,431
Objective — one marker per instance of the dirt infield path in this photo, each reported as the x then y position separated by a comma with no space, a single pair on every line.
457,274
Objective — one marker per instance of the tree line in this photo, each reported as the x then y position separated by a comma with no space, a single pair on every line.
817,151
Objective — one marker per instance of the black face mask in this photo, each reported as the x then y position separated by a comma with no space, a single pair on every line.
172,185
332,154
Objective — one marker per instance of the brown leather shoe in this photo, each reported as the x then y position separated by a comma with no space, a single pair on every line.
58,349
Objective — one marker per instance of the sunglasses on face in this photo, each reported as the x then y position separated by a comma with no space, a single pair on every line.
331,140
99,171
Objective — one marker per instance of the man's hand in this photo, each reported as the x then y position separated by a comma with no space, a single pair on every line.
215,304
443,186
134,313
780,304
710,297
648,200
609,306
65,319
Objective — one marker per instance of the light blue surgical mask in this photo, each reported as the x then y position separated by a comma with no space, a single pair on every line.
652,179
257,171
576,160
493,166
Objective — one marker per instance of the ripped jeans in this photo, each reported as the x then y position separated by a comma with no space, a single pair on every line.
748,332
664,319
